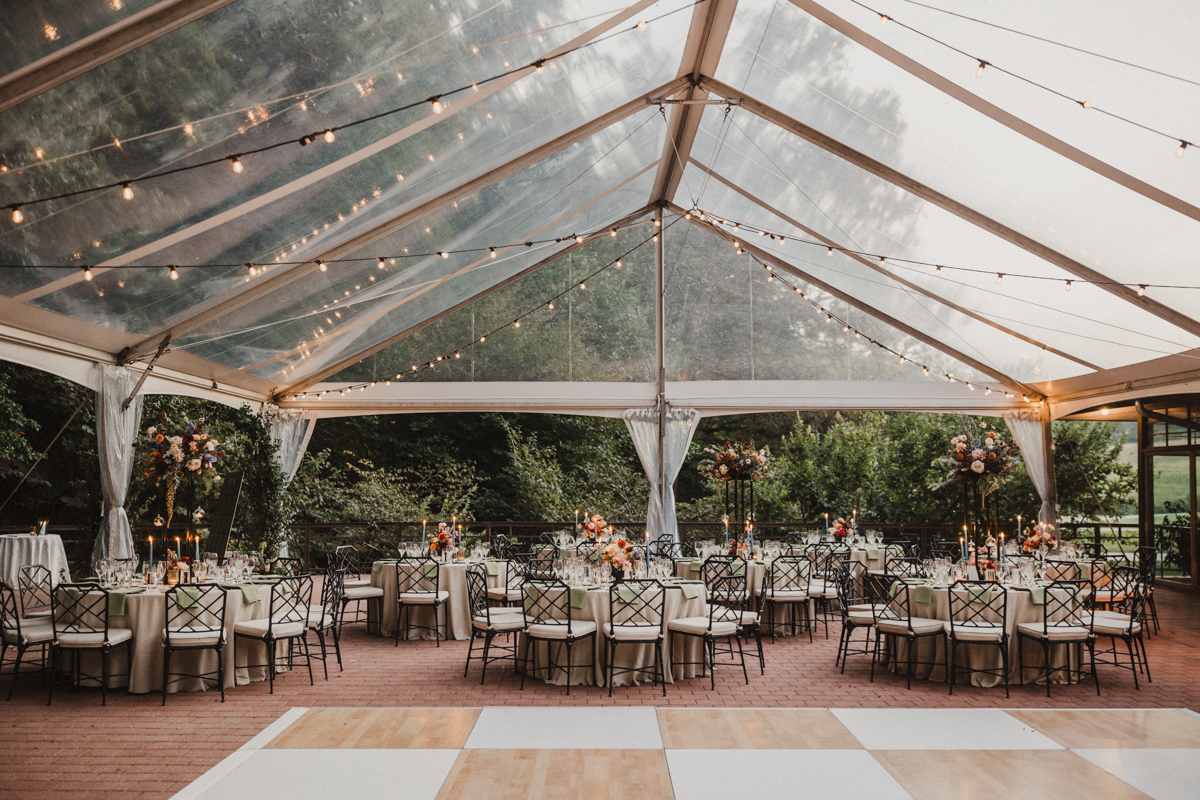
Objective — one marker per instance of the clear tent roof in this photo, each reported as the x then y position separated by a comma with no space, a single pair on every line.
1066,233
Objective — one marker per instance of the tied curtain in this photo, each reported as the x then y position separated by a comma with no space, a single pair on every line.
116,429
1029,433
291,430
679,427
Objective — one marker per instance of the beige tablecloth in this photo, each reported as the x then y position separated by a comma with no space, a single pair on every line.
23,550
452,578
980,656
146,616
629,654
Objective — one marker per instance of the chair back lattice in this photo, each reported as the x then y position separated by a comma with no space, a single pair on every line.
666,547
903,566
727,595
539,569
80,608
333,588
10,613
1147,560
35,589
788,574
1067,605
290,599
977,604
640,604
547,602
418,575
192,610
477,596
287,566
829,560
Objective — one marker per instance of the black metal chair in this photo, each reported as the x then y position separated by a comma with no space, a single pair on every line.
35,588
828,564
349,562
1067,618
538,569
903,567
862,598
727,595
950,550
195,621
896,621
1147,559
418,585
978,616
358,594
490,622
786,588
1126,625
81,624
511,593
549,619
286,621
322,619
23,634
636,610
666,547
286,566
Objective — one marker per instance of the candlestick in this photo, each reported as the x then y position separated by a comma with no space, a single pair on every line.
1001,547
577,523
151,538
962,548
178,549
424,524
826,523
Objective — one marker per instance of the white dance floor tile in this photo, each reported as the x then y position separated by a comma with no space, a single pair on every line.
780,774
941,729
324,774
1162,774
566,728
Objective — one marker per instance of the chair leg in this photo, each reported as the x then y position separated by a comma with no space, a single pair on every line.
271,663
1145,659
104,651
762,661
874,655
1095,676
525,661
399,622
1046,656
1133,660
166,672
662,665
221,670
337,646
16,669
612,657
951,663
1020,659
570,644
324,655
470,650
912,645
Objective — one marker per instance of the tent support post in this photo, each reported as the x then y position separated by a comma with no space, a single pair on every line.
658,356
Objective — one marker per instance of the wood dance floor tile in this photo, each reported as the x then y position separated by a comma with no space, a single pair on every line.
372,729
557,774
1002,775
754,728
1107,730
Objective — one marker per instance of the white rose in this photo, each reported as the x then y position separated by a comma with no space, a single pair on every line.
194,464
176,440
990,442
977,466
211,444
151,430
977,453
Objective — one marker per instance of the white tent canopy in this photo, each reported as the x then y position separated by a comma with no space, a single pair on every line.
809,121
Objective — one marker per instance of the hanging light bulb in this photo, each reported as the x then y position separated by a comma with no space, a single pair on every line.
925,370
999,278
618,263
654,238
641,25
250,268
482,339
1086,104
883,18
1141,291
613,232
770,277
550,305
174,274
236,164
937,270
457,354
436,104
127,192
491,252
87,273
658,223
578,240
381,263
987,390
517,324
583,286
321,265
1182,146
901,358
329,137
443,254
828,318
979,72
829,251
17,216
1068,286
969,386
538,66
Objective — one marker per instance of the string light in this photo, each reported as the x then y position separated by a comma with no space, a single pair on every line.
443,254
382,263
1182,146
829,251
436,104
1141,291
236,164
999,278
127,192
982,67
87,273
1068,286
174,274
321,265
329,137
491,252
17,216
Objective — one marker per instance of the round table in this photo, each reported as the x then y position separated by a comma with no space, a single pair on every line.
146,615
1021,609
592,671
22,550
452,578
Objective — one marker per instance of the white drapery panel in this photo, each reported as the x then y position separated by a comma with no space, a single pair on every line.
116,429
680,426
1028,432
292,430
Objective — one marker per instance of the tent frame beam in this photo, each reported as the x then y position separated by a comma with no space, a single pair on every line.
930,195
891,276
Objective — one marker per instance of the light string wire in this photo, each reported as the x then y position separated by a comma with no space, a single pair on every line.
983,64
833,317
307,94
1044,40
456,352
885,259
434,101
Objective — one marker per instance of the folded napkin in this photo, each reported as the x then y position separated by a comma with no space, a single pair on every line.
979,594
578,596
872,553
429,569
737,567
690,590
185,596
116,600
378,565
250,592
492,567
625,594
697,565
922,594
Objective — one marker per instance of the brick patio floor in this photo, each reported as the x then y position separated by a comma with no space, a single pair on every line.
135,748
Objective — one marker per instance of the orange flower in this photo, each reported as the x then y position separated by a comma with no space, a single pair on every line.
158,438
620,543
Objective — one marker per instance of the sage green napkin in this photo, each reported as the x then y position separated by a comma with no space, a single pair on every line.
185,596
697,565
116,600
873,553
68,596
378,565
492,567
429,569
979,594
690,590
250,592
578,596
1037,595
737,567
922,594
625,594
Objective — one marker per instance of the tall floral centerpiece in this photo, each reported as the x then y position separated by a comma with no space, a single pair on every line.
177,452
622,555
735,467
981,461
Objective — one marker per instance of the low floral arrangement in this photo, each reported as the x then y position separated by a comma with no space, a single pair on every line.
1038,535
175,562
735,461
595,526
839,528
173,452
983,458
442,539
621,554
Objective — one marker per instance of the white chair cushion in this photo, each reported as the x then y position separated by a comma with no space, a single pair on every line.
423,598
500,622
79,640
506,610
258,628
1110,626
550,630
1063,632
509,595
317,618
787,595
699,626
357,583
723,614
861,617
33,631
362,592
991,632
631,633
920,625
189,637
